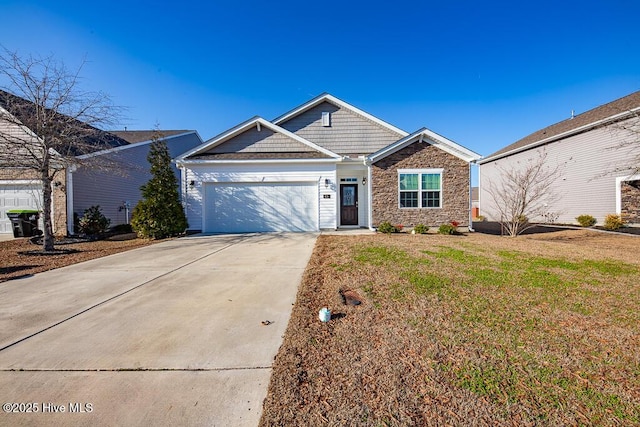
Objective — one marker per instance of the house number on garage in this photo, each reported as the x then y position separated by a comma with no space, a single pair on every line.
326,196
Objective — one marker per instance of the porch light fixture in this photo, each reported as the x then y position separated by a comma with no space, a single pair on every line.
364,180
192,183
326,183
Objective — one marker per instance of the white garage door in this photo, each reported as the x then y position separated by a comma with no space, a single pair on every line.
250,207
17,196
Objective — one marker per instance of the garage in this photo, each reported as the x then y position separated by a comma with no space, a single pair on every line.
17,196
260,206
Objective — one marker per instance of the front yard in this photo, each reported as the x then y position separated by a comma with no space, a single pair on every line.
464,330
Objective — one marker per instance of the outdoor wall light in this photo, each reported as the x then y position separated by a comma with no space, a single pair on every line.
326,183
364,180
192,183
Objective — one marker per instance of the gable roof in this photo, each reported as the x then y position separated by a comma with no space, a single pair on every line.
613,111
203,151
326,97
137,138
92,139
430,137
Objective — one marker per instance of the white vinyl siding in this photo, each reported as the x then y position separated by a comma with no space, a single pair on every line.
356,171
587,184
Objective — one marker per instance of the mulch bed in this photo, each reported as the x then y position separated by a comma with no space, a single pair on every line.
21,257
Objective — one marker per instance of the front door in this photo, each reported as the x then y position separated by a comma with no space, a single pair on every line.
348,204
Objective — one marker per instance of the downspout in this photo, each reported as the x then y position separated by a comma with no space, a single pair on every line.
184,186
69,193
367,163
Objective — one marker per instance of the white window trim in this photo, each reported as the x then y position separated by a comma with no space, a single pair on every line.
420,190
619,181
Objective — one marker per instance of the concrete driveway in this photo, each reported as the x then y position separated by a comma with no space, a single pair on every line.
170,334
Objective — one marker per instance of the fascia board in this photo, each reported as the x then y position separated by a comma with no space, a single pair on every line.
572,132
247,125
452,147
432,138
219,139
396,146
336,101
263,161
16,122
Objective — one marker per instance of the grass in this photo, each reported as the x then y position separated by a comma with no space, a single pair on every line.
464,330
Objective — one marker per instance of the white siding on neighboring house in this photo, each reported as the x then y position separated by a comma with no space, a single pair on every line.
587,184
303,173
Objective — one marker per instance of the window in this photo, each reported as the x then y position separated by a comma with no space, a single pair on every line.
326,119
420,188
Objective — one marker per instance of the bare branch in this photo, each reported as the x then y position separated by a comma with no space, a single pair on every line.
47,123
523,192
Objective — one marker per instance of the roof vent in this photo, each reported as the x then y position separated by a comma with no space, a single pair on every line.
573,114
326,119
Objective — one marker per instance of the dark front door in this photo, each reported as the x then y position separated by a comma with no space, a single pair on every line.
349,204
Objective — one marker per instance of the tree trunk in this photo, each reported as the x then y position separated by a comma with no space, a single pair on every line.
47,238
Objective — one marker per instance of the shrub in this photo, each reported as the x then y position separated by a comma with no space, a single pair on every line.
386,227
455,223
420,229
612,222
447,229
93,222
586,220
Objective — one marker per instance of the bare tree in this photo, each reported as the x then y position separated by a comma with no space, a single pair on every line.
523,192
627,133
47,122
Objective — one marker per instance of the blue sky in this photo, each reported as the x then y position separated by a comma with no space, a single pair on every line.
483,74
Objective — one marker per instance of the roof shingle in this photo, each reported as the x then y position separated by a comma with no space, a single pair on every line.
597,114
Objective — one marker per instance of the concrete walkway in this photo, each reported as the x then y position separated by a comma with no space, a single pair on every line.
170,334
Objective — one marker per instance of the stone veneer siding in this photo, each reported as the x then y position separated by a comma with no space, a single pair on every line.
455,187
630,201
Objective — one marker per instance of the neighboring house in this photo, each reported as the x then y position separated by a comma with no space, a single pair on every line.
475,202
117,190
596,178
324,165
115,178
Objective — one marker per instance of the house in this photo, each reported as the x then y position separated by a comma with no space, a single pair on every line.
595,152
324,165
108,171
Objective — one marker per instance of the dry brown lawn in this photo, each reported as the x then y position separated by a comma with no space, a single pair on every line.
464,330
